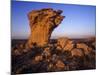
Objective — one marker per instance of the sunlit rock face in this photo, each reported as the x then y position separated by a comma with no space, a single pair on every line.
42,23
77,52
65,44
85,47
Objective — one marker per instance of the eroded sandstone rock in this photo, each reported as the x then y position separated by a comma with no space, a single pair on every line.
42,23
65,44
85,47
60,65
77,52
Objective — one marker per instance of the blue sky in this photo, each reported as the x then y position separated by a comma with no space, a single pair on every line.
79,21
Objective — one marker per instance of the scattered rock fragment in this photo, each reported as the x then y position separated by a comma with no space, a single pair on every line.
60,65
77,52
38,58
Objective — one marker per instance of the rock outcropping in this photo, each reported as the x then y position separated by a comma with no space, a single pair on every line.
42,23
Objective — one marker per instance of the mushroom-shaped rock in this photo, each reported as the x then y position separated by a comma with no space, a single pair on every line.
42,23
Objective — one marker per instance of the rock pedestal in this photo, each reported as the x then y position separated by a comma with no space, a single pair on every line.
42,23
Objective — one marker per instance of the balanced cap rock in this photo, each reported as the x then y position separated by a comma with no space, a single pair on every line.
42,23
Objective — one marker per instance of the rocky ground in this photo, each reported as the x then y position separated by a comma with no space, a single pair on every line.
40,54
62,54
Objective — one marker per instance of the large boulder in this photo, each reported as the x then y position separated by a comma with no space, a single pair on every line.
42,23
77,52
65,44
85,47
